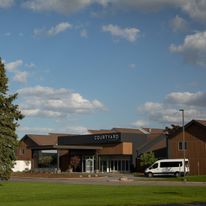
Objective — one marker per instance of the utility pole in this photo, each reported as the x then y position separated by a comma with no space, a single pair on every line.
183,137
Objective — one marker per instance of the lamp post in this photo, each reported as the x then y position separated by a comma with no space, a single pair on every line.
183,137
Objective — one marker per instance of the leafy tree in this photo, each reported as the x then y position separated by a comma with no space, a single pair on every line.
45,160
9,115
147,159
171,130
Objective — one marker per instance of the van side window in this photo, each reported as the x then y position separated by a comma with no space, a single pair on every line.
155,166
171,164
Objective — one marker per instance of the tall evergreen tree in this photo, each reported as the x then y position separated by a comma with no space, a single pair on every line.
9,115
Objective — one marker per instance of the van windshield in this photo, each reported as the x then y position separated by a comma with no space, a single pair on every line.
154,166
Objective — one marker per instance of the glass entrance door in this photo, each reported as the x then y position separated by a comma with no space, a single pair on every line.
89,164
115,164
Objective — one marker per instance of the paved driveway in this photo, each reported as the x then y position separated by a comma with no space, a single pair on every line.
109,180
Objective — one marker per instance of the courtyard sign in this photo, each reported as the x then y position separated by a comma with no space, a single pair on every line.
107,138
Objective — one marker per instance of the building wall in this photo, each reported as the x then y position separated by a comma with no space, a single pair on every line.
123,144
23,152
124,148
195,136
64,160
21,165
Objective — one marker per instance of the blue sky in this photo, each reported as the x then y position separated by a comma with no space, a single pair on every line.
99,64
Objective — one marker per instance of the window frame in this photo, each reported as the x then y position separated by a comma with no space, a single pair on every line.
182,145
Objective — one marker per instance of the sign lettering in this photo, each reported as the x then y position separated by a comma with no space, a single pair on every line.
107,137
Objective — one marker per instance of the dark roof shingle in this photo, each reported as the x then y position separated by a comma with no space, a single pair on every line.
203,122
42,140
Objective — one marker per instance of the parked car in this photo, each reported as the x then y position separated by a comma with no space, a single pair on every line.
168,167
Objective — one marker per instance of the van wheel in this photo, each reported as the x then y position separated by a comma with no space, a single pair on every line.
150,174
177,174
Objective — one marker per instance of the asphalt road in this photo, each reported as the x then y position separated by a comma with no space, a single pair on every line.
108,180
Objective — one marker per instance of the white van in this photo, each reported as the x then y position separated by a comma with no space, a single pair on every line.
168,167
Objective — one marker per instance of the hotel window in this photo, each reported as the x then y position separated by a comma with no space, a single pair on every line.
21,152
182,145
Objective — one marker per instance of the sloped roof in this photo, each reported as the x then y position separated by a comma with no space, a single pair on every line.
202,122
41,140
61,134
152,136
154,130
153,142
195,121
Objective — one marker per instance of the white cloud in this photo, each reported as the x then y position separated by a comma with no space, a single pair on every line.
7,34
167,111
60,6
150,106
104,3
132,66
6,3
42,91
53,31
76,130
193,48
20,34
194,8
34,130
50,102
145,4
83,33
21,77
30,65
61,27
140,123
178,24
13,66
45,130
67,7
129,34
187,98
39,32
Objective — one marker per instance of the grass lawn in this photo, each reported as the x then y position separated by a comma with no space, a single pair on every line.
200,178
187,178
56,194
